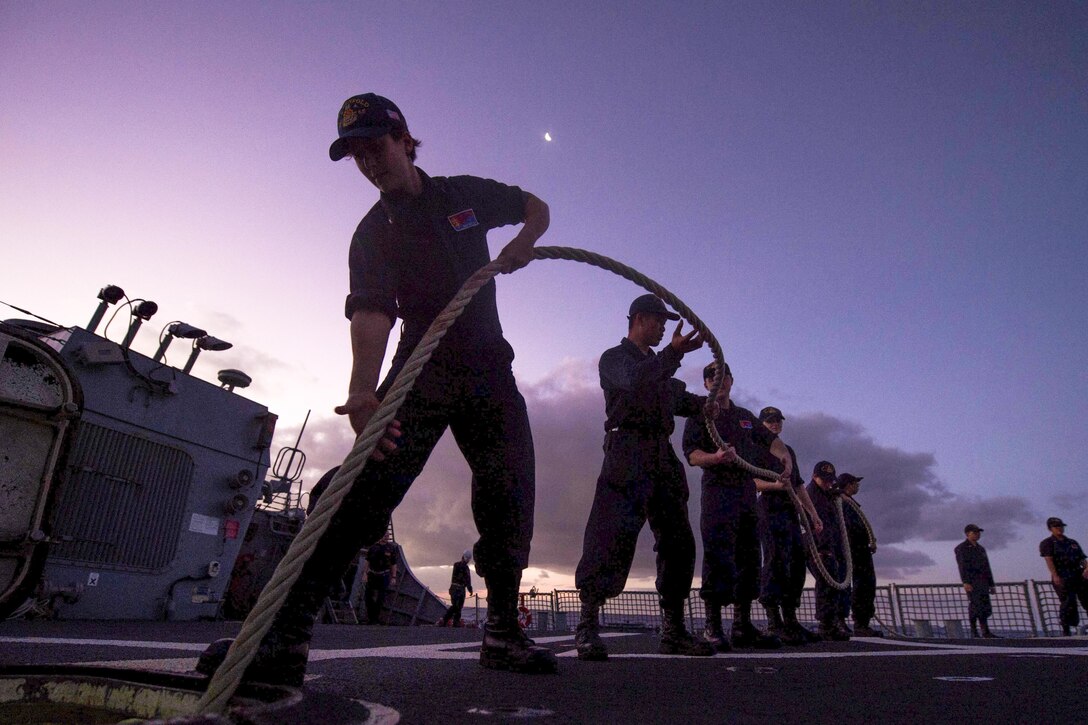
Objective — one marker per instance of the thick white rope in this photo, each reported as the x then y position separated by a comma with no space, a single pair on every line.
229,675
809,538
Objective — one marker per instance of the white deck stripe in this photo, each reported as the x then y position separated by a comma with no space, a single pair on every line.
470,651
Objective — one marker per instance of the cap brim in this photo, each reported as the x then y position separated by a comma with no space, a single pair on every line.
339,148
671,316
773,418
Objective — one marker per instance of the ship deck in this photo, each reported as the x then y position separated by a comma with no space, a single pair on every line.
428,675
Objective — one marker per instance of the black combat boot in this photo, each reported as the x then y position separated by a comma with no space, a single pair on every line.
746,635
712,631
830,631
862,629
281,657
675,638
777,626
974,626
587,637
506,646
985,626
789,617
1065,630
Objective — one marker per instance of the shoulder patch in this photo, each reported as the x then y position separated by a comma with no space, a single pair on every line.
463,220
746,424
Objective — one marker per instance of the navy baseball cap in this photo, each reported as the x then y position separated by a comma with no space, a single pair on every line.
1054,521
365,116
845,479
972,527
771,413
824,470
651,305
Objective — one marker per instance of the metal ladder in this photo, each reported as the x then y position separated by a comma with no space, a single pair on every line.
340,612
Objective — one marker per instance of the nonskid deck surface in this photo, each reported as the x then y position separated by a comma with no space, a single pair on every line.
426,674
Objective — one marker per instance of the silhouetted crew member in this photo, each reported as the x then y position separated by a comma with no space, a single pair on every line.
460,581
831,603
381,576
729,518
862,548
408,258
782,578
641,480
977,578
1067,564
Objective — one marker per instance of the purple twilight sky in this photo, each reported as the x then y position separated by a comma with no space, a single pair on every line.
879,209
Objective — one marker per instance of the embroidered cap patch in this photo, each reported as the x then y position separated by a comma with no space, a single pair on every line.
463,220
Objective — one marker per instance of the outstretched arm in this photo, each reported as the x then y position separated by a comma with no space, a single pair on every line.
1057,580
518,252
369,336
806,503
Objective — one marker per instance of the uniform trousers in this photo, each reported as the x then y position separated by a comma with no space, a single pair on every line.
641,481
730,528
831,603
782,579
488,418
863,588
457,603
978,600
1072,588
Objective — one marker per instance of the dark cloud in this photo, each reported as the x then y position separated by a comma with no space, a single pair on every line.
1065,501
901,494
893,562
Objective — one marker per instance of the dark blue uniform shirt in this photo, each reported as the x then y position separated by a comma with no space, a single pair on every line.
739,428
1067,554
779,500
409,257
461,576
640,393
974,564
829,540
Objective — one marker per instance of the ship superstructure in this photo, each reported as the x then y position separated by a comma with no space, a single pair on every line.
127,483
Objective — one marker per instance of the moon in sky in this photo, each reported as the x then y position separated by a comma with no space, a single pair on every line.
547,136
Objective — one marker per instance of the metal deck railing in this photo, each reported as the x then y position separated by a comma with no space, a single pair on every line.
1020,609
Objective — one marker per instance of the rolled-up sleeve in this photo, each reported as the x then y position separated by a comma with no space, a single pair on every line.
695,436
371,274
494,203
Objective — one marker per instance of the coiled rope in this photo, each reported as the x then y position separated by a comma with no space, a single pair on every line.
809,538
229,675
864,520
889,629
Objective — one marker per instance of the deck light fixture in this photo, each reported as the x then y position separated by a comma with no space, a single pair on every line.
178,329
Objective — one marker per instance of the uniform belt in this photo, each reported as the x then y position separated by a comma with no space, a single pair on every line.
639,432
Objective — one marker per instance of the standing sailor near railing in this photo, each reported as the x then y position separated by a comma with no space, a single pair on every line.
729,521
782,579
862,548
831,603
977,578
641,479
460,580
1068,567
